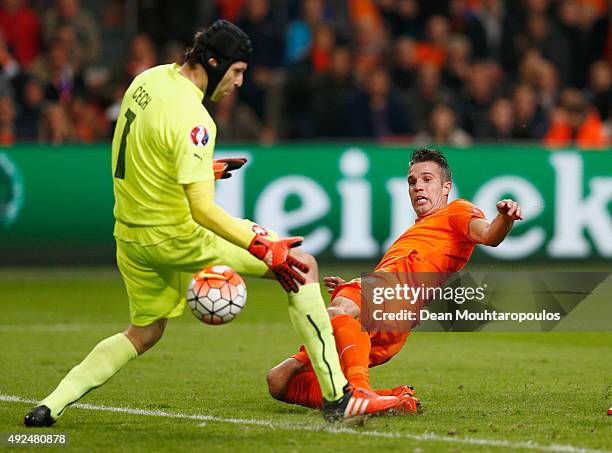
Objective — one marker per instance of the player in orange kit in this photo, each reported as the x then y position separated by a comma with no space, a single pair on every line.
441,240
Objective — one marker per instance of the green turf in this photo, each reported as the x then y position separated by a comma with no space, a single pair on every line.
540,387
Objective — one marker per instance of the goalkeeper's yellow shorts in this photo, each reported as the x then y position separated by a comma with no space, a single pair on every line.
156,276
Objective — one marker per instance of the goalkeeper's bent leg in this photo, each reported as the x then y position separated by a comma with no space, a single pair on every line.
104,360
310,320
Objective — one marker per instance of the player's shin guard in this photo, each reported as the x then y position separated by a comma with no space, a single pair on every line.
105,359
310,320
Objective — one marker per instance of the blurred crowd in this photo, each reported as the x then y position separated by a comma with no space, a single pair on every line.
448,72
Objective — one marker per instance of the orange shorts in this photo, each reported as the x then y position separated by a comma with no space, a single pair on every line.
384,344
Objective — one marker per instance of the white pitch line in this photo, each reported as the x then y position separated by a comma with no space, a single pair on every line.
529,445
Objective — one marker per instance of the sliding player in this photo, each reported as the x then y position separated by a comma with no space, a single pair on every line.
441,240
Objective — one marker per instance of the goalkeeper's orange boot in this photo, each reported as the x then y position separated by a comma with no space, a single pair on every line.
358,401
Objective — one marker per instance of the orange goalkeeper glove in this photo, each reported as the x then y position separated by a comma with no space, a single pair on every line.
223,167
276,255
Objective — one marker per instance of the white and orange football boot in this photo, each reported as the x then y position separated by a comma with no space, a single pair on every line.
358,401
409,403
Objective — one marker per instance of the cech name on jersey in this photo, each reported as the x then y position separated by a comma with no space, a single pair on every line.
141,97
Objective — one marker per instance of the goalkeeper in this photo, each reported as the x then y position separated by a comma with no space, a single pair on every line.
168,225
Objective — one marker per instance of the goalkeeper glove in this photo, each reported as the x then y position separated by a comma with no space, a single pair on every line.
223,167
276,255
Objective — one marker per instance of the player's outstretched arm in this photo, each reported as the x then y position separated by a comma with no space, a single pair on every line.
275,254
493,233
204,210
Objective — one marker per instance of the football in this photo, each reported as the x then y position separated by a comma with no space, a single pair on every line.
216,294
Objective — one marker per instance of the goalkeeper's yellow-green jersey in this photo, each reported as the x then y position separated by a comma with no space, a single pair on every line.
164,138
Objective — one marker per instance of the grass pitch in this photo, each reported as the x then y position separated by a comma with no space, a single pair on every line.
480,391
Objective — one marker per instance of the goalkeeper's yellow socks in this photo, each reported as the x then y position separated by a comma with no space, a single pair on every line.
311,321
108,357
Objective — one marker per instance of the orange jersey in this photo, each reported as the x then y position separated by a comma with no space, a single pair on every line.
439,242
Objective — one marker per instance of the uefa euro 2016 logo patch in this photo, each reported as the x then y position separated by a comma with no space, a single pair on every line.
199,136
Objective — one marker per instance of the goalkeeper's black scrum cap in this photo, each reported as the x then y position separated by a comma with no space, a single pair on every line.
227,44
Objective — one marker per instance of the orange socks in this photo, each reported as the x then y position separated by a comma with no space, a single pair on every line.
304,389
354,350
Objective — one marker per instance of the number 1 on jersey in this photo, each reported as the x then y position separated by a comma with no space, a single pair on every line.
120,168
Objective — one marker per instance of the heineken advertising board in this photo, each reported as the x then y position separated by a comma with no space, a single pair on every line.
349,202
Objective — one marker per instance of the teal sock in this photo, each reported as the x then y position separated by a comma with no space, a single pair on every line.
310,320
104,360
